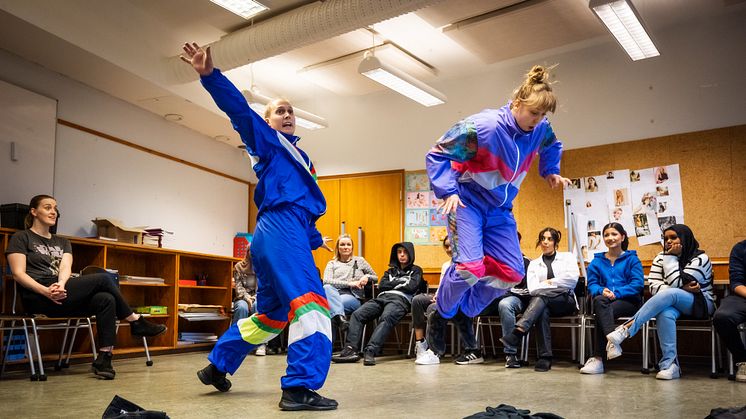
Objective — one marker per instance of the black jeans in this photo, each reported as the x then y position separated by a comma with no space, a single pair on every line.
436,330
538,311
420,303
389,309
605,311
729,315
86,295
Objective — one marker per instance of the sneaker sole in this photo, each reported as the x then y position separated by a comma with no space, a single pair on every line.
106,375
513,366
345,360
294,407
206,381
471,361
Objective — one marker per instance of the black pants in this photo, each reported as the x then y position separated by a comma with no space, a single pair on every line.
389,309
605,311
420,303
86,295
729,315
436,330
539,310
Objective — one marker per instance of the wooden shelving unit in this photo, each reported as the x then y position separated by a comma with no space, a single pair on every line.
136,260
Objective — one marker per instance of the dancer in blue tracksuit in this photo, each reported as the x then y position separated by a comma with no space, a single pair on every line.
290,290
476,168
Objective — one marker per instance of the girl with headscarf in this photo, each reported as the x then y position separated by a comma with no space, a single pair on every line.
681,284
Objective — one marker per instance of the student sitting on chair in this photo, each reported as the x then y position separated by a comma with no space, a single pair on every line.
615,282
551,281
398,286
732,310
345,277
681,283
41,263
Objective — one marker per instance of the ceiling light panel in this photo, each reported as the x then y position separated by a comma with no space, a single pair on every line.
244,8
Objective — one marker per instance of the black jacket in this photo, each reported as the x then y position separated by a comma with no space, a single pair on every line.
407,280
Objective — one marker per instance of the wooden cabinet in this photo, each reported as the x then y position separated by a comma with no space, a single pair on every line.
136,260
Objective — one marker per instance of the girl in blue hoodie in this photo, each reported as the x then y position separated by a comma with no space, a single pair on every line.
615,282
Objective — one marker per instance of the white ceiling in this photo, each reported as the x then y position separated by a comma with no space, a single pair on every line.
121,46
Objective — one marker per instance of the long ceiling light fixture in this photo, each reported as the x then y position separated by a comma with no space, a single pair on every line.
258,102
244,8
623,21
399,81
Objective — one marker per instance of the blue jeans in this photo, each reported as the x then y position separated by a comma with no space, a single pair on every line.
509,307
666,306
241,310
340,304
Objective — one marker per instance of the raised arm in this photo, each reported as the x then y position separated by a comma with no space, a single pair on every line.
459,144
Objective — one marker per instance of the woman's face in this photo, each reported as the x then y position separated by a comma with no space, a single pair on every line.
282,117
670,238
527,117
46,212
548,246
447,247
591,182
613,238
617,214
344,248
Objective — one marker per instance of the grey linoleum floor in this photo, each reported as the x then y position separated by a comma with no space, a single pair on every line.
395,388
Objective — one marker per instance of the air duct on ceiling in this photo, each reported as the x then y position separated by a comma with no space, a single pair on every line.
297,28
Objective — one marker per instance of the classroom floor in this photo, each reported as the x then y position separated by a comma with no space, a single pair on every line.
395,388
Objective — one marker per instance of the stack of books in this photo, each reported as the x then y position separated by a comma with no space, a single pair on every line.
186,338
154,236
201,312
133,279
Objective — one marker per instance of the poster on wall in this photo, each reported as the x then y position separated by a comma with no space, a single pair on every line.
422,222
644,201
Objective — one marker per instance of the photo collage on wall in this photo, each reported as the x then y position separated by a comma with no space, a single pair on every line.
645,202
422,223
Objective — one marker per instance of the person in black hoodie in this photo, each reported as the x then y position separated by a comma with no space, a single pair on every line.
397,287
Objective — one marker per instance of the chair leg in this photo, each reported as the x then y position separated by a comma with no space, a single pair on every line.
582,341
713,337
93,340
645,348
411,343
492,340
58,365
149,361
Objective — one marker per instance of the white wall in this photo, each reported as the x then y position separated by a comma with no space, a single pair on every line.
204,215
697,83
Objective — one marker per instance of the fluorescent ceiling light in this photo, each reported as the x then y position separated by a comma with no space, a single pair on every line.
307,120
400,82
623,21
244,8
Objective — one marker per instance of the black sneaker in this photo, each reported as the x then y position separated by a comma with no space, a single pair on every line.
102,366
210,375
369,358
543,365
348,354
470,357
511,361
146,328
298,398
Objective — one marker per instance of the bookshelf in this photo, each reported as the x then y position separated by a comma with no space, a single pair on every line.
138,260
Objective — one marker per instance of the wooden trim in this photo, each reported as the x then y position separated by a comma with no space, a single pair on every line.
148,150
350,175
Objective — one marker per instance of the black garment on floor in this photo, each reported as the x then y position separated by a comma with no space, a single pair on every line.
510,412
727,413
123,408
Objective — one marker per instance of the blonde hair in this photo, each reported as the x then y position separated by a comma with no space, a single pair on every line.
536,91
336,245
272,105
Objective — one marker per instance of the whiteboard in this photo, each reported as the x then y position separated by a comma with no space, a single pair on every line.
27,121
95,177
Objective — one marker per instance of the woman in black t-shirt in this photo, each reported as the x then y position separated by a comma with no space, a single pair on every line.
41,263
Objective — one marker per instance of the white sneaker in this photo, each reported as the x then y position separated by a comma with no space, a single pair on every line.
614,342
613,350
593,365
261,350
741,372
671,373
420,348
427,358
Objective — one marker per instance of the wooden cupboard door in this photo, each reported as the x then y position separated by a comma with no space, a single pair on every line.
373,202
328,224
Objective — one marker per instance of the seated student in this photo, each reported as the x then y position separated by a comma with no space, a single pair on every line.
616,282
508,307
397,288
551,281
732,310
41,263
425,313
344,279
681,283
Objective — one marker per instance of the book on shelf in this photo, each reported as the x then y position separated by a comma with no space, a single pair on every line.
200,308
196,317
141,279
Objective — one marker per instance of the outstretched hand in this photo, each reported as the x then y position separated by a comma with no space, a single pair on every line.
557,180
199,58
326,240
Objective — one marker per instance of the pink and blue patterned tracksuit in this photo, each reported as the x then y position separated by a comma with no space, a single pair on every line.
484,158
